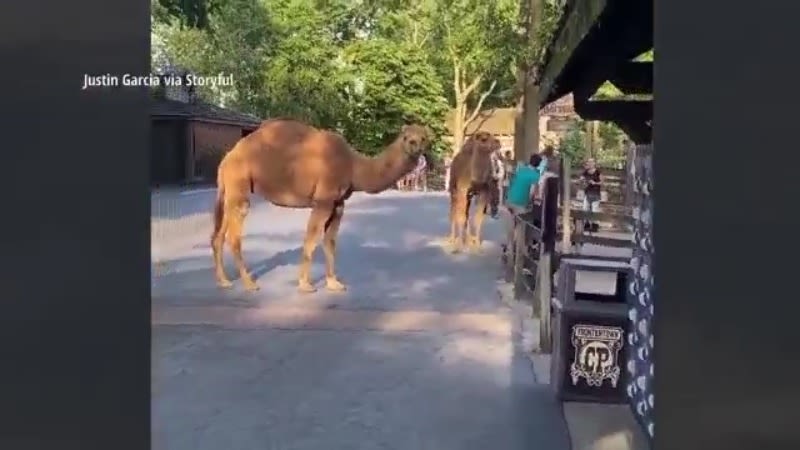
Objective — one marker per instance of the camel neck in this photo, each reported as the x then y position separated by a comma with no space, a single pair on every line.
378,173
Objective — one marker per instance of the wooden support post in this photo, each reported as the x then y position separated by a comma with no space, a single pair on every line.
519,259
566,205
544,277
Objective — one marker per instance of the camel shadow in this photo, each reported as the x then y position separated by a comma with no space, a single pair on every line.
176,204
389,253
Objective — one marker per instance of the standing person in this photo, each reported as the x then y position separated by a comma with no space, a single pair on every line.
421,174
495,192
507,161
520,190
592,185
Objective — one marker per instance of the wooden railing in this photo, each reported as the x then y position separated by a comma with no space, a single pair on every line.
532,261
572,217
529,263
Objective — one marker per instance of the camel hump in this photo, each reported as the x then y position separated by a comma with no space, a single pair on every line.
277,120
281,133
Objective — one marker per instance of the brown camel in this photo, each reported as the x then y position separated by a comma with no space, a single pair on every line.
295,165
471,176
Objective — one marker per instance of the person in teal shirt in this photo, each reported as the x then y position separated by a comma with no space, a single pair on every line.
518,200
525,176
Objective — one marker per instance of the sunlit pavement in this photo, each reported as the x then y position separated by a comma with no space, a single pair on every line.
419,353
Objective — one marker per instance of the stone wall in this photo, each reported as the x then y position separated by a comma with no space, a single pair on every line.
641,301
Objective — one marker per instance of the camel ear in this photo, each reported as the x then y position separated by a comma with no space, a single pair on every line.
405,128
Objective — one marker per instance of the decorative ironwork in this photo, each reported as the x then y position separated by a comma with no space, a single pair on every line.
640,360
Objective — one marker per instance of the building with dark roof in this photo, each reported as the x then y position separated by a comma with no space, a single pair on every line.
189,137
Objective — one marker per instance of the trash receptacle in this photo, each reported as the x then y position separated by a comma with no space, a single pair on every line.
589,336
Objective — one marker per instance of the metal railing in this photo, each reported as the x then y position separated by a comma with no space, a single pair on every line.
179,219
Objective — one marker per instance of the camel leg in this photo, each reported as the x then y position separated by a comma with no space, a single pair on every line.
329,247
477,220
452,238
466,229
458,218
235,214
316,223
217,241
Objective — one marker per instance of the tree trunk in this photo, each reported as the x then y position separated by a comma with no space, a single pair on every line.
458,127
531,119
530,134
519,121
520,155
591,138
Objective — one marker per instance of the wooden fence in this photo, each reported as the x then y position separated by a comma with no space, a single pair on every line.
532,262
615,210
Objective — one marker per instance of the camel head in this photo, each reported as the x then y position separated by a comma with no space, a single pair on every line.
482,147
414,140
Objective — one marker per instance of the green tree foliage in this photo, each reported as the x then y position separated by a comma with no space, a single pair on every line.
648,56
238,39
187,13
573,146
473,47
362,67
392,85
305,76
609,150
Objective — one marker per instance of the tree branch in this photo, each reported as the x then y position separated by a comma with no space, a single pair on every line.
468,90
424,40
478,106
457,80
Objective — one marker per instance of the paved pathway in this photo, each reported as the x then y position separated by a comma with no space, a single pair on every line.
418,354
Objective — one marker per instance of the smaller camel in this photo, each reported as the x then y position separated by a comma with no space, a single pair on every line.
472,176
294,165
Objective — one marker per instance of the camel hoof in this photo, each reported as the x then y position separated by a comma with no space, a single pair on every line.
251,286
306,287
335,285
224,283
475,244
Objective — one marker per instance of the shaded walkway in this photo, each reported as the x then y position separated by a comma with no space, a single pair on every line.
418,354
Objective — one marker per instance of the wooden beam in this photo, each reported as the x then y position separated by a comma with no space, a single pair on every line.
634,77
580,238
579,214
592,40
639,131
579,20
613,110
